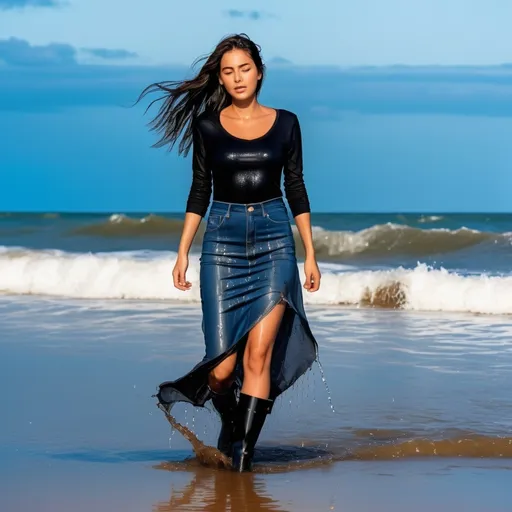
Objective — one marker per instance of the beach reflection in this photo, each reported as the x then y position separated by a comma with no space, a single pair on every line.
221,491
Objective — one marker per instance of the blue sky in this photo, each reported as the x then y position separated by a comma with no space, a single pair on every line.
346,32
402,106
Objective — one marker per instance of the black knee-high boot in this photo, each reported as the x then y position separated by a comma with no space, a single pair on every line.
249,419
225,404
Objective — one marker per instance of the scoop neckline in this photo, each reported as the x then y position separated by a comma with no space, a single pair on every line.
249,140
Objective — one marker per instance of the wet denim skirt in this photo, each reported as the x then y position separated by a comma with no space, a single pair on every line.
247,266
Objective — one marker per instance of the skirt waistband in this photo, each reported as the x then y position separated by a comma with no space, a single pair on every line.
224,208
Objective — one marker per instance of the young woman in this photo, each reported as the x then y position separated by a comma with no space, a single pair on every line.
258,340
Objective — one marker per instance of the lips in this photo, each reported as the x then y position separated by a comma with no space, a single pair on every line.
240,89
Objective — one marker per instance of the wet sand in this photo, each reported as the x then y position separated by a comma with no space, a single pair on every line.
421,417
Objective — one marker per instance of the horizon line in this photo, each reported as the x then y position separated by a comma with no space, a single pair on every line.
182,212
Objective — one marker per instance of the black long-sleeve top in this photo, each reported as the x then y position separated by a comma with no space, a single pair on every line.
247,171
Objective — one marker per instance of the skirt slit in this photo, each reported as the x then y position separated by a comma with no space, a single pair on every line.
248,267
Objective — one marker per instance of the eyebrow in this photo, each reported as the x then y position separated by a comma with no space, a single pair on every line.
241,66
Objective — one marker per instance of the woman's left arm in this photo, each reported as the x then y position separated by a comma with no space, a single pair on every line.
303,223
298,200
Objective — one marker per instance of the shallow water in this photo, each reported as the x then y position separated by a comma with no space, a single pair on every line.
422,413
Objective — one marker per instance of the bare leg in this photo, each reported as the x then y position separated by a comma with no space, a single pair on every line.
258,353
221,377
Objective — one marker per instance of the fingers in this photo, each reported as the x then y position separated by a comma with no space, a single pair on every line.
312,283
315,282
180,280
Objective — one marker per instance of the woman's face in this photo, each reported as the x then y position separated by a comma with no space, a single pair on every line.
239,74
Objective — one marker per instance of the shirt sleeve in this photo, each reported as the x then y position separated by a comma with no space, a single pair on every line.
201,187
295,189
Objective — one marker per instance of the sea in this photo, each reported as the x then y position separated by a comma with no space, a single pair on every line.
407,408
421,262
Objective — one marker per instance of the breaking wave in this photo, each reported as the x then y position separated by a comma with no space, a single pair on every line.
394,239
379,240
147,275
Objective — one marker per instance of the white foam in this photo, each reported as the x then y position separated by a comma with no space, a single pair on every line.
148,275
101,275
430,218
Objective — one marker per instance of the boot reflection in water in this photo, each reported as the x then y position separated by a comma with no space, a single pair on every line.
221,491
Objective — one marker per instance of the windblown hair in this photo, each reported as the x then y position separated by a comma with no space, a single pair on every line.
184,100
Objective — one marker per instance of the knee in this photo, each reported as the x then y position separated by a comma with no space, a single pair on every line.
257,359
222,373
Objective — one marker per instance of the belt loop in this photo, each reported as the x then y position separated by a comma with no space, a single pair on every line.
229,209
264,213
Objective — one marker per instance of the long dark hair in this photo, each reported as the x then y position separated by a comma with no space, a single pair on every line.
184,100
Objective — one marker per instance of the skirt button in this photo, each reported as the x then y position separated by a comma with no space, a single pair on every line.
251,209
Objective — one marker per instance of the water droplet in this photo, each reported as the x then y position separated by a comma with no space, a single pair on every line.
324,380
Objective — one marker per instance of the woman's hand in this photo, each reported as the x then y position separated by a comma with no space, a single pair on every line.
303,222
179,274
312,283
190,226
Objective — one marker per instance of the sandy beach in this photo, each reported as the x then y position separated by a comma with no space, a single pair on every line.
420,418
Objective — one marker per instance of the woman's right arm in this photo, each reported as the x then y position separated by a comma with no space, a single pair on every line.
179,273
197,205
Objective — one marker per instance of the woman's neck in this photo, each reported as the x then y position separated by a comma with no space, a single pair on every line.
246,109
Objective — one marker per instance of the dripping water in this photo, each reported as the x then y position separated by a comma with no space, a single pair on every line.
171,436
324,380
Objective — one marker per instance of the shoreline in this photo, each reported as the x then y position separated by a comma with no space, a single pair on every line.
83,432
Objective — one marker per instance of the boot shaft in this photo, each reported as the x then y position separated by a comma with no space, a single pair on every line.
250,417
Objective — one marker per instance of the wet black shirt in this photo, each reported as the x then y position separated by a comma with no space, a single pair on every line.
247,171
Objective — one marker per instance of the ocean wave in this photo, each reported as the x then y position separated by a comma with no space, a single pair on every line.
120,225
388,239
395,239
148,276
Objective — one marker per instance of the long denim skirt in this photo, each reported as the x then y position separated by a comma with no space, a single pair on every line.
247,266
